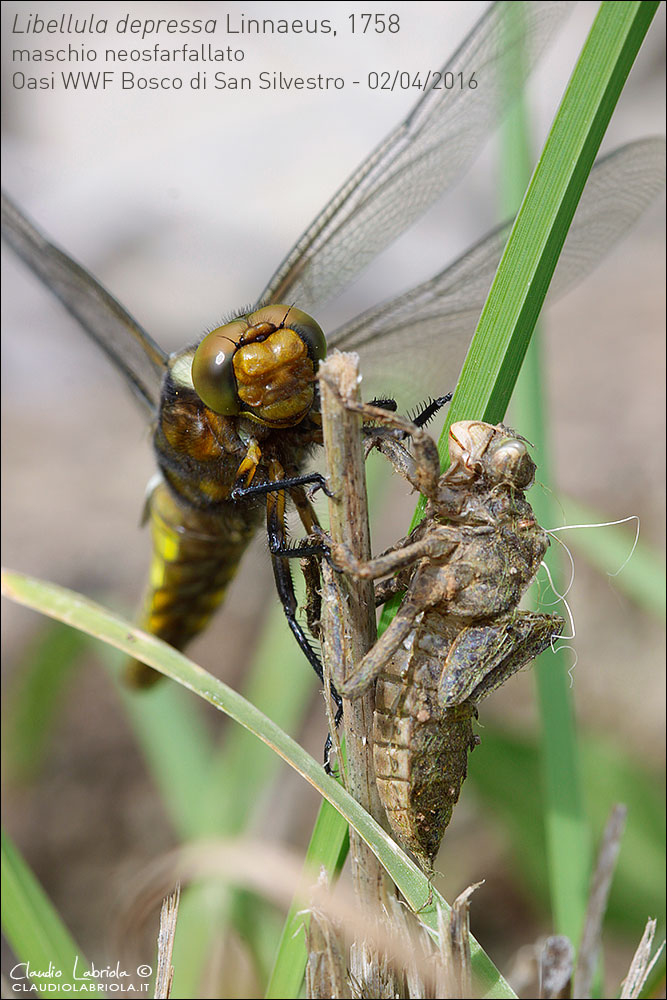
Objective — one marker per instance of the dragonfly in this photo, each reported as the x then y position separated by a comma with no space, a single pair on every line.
458,634
227,460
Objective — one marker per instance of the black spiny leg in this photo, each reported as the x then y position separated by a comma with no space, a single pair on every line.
313,479
423,414
275,526
388,404
310,564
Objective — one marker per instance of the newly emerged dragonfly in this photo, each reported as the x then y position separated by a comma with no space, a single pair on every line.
249,432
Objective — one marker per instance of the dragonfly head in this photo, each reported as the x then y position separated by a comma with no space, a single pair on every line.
262,366
477,449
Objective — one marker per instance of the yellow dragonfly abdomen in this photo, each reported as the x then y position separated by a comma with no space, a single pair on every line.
195,556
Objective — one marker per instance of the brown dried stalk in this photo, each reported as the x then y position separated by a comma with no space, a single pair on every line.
348,619
165,944
642,964
326,970
556,966
597,901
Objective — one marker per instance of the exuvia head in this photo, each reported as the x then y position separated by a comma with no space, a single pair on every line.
493,452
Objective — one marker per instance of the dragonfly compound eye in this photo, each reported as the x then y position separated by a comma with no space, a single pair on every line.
213,369
310,332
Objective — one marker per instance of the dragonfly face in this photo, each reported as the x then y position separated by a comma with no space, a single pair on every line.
261,366
400,342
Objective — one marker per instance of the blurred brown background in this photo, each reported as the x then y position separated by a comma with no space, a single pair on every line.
183,207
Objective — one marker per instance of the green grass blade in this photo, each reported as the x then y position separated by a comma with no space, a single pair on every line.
568,859
566,826
35,931
35,696
79,612
522,280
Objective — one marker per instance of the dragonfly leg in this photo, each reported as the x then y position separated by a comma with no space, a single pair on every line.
310,566
438,543
313,479
306,547
384,404
425,413
365,672
275,523
248,467
422,470
420,416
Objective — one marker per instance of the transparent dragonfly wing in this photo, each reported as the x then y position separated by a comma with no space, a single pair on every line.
419,159
414,346
136,355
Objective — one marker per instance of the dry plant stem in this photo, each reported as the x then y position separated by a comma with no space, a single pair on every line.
326,971
421,947
556,966
641,965
454,930
348,621
165,944
597,901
